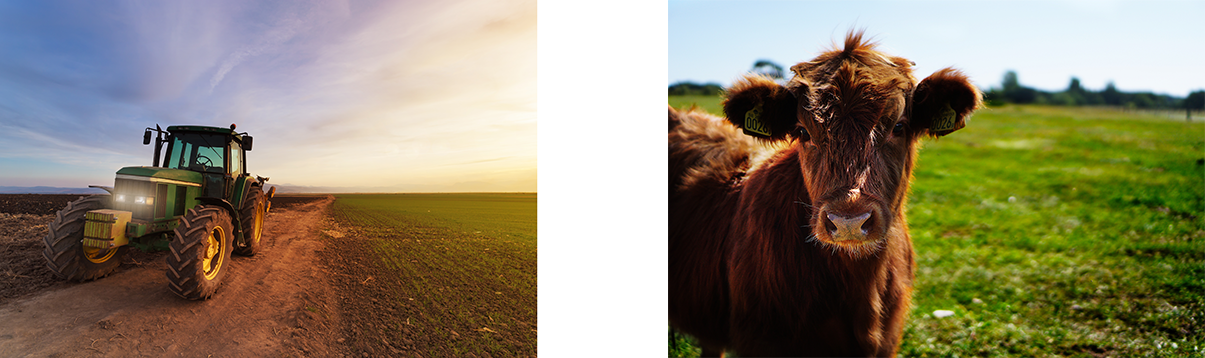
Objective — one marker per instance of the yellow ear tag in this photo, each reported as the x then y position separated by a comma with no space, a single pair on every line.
944,120
753,123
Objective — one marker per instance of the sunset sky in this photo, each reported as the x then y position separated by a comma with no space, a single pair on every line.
358,95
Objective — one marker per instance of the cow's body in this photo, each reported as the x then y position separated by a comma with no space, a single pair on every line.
768,233
796,244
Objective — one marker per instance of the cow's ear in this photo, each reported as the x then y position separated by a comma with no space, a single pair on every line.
762,108
943,102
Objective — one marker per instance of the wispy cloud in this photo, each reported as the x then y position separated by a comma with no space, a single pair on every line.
390,92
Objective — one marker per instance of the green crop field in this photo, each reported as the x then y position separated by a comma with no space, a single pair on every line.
1055,231
464,266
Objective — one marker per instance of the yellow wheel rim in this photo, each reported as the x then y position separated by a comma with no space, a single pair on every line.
98,255
212,262
259,222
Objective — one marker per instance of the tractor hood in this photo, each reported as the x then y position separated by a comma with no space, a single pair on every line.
158,174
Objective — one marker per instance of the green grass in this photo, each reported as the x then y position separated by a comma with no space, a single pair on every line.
710,104
1054,231
468,261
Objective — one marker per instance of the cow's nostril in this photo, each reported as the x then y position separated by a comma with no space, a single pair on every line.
848,228
867,225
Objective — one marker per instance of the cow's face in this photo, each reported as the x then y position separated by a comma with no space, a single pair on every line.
855,117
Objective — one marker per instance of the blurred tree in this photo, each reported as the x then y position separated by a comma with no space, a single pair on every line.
1074,95
994,97
1074,87
1066,98
768,69
1092,98
1110,95
1143,100
690,88
1010,81
1014,92
1195,100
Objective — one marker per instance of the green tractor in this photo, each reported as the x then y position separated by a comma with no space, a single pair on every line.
200,203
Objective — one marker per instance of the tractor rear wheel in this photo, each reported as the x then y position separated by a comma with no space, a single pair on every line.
252,216
65,253
200,252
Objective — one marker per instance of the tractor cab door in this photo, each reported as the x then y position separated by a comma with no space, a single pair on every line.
206,153
235,169
236,159
217,179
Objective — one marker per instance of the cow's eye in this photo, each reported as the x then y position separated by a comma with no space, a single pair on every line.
899,128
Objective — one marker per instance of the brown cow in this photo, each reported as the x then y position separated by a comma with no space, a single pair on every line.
790,239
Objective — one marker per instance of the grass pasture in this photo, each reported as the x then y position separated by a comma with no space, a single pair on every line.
464,267
1055,231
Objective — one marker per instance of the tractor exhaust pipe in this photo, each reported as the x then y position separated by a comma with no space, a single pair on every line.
146,139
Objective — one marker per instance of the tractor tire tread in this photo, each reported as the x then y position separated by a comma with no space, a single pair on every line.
247,215
62,242
184,271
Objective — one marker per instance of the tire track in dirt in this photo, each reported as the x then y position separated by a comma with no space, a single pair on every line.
277,303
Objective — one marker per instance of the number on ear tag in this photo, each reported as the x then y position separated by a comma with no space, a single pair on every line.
754,125
944,120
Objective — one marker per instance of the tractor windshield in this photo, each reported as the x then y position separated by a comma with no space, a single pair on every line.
197,152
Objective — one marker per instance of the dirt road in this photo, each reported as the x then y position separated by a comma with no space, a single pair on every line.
277,303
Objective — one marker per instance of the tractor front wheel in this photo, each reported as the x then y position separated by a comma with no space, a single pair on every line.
65,252
252,216
200,253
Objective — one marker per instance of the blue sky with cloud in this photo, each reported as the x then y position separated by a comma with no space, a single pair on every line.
1138,45
384,95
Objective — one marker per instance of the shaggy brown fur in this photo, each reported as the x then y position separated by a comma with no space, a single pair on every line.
795,243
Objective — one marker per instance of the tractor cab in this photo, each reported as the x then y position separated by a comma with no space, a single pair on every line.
217,153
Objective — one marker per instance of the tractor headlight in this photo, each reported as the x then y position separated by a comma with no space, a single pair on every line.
147,200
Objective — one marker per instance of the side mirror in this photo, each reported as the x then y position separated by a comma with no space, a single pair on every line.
247,143
146,137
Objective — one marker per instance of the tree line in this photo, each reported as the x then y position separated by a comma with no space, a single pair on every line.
1010,91
685,88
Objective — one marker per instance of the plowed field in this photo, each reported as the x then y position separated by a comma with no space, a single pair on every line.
445,275
35,204
321,287
279,302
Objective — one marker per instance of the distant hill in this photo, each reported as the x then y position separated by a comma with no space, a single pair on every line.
302,189
57,190
48,190
459,187
291,189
